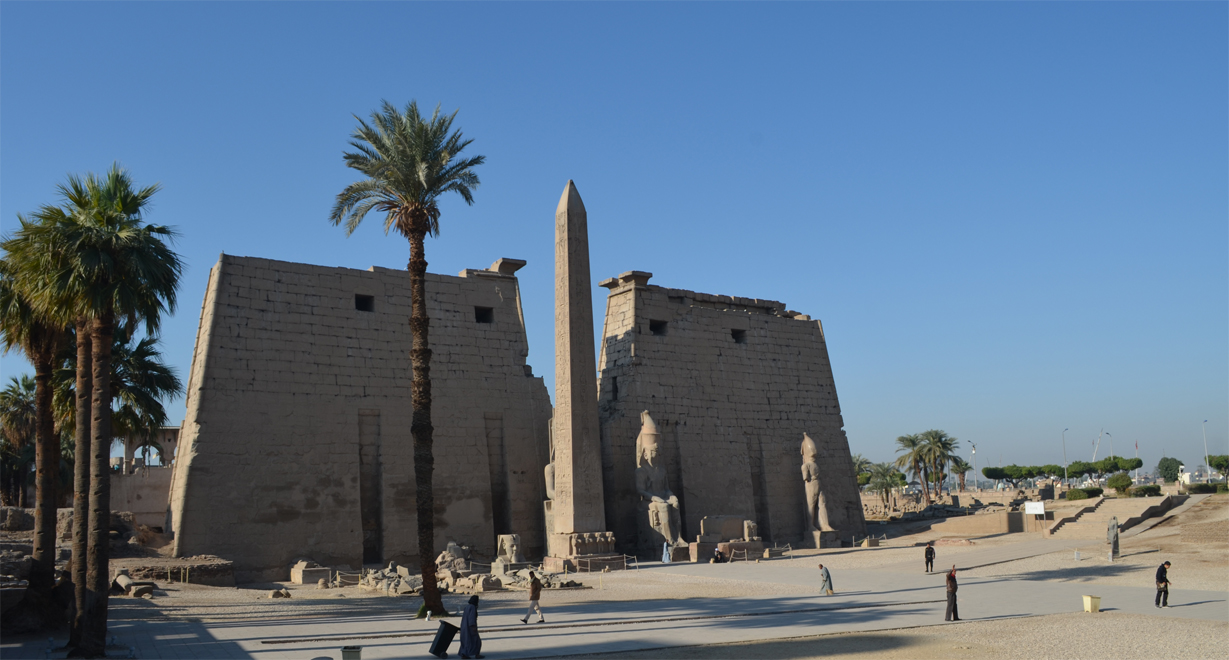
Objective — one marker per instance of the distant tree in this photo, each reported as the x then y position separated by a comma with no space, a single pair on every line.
1219,462
861,465
18,421
915,457
1052,470
1000,474
864,478
1168,469
1120,482
884,478
960,468
1077,469
940,449
1128,464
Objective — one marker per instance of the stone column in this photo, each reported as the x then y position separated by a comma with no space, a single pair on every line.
578,502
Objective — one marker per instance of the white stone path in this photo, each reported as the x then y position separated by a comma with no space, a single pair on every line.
872,599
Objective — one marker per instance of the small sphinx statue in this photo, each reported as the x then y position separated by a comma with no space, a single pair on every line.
817,506
657,503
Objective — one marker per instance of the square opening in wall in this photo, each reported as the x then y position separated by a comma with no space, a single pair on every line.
364,303
740,336
658,328
484,314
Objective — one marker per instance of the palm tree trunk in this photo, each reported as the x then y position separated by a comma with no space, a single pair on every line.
420,424
919,469
47,476
81,475
98,579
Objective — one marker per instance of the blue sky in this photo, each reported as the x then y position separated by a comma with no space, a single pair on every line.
1011,218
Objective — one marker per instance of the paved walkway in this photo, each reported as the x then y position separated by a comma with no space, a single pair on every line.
865,600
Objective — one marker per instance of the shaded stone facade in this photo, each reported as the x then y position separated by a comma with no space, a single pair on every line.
296,441
732,383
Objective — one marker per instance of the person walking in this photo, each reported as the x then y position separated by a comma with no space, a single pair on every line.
953,614
1162,585
471,643
826,586
535,592
930,556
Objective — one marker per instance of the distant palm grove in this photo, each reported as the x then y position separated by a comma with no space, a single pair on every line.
84,286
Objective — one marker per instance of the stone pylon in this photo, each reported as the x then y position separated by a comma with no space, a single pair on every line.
578,505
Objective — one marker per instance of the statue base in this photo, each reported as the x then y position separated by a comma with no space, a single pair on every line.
584,563
818,539
582,552
501,567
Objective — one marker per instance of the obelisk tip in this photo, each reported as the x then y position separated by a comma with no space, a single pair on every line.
570,202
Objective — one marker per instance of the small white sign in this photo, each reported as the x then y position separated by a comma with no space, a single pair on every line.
1037,508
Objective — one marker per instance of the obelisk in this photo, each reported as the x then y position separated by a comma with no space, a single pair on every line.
578,504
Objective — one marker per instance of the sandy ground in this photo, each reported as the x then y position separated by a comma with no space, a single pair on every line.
1203,566
1054,637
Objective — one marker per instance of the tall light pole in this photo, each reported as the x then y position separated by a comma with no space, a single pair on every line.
1111,437
1065,458
975,467
1205,450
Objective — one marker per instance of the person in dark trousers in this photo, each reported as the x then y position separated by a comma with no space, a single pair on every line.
535,593
471,643
1162,585
953,614
930,556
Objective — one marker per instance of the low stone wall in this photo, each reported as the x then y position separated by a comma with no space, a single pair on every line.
1002,522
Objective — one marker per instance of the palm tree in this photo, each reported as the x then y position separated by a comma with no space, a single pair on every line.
39,337
102,263
18,421
916,459
140,381
959,468
884,478
409,162
940,448
861,464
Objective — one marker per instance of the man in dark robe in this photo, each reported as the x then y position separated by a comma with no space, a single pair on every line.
471,643
952,613
930,556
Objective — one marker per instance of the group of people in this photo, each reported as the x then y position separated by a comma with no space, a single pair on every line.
471,641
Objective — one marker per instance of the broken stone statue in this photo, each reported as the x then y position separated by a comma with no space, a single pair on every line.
510,558
659,508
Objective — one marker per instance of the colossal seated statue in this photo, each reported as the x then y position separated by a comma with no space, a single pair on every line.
659,508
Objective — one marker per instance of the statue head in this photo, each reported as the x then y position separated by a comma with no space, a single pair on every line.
809,450
646,442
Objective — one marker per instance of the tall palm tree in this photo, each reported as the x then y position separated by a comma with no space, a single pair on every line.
18,421
941,449
102,263
24,326
960,468
410,162
915,459
861,464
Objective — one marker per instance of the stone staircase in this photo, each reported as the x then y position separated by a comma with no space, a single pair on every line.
1091,523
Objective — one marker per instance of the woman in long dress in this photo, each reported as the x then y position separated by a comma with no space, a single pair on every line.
471,643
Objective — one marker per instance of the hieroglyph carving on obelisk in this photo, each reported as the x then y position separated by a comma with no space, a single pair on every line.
578,504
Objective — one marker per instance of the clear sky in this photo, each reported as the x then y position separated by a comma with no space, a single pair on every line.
1011,218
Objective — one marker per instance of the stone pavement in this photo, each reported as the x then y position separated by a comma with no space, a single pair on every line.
873,599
